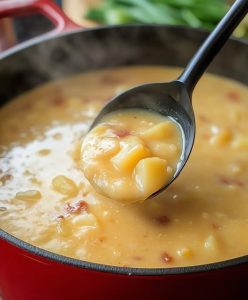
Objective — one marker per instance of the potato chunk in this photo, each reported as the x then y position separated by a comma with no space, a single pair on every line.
160,131
96,147
221,138
151,174
83,223
212,244
133,150
185,253
64,185
164,150
109,146
30,195
241,143
85,220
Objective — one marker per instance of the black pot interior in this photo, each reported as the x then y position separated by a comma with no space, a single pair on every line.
110,47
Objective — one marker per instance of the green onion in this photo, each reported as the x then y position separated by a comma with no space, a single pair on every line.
194,13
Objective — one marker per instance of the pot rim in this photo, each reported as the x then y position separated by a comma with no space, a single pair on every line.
96,266
47,36
51,256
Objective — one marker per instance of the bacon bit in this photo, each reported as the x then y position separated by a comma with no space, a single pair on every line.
96,99
231,181
60,217
136,257
215,226
122,133
27,106
59,101
233,96
111,80
203,118
166,257
105,99
85,193
83,205
14,129
6,178
206,136
83,99
171,188
102,239
162,220
68,208
79,207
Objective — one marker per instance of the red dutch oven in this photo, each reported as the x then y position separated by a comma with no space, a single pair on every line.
30,273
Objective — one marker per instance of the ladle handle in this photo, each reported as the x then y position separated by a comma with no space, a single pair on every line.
212,45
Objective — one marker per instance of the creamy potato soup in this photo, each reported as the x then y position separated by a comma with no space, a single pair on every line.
132,154
45,199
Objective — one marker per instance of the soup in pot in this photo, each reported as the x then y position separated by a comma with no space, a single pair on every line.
45,200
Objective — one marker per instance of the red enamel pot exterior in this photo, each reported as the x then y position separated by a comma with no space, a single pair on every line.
25,276
29,273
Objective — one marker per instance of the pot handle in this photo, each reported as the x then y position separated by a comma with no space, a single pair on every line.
48,8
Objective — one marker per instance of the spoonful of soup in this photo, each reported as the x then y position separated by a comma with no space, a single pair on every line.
142,139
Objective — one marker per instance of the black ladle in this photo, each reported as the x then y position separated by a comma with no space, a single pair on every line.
174,98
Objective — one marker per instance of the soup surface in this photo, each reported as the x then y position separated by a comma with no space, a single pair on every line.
45,199
131,154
